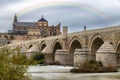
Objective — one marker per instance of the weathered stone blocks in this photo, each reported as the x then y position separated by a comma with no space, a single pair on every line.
107,55
81,56
63,57
49,58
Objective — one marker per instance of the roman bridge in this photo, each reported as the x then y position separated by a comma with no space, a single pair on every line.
71,41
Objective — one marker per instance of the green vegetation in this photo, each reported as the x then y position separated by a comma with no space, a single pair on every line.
36,58
39,58
93,67
13,66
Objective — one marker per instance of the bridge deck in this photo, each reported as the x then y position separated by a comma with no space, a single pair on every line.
113,28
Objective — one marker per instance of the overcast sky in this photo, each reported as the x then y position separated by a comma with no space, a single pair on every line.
72,13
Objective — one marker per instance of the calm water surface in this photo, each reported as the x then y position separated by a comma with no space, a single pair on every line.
62,73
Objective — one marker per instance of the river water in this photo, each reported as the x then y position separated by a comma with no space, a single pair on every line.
62,73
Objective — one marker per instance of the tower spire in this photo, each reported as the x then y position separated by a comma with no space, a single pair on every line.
59,24
15,18
42,16
84,27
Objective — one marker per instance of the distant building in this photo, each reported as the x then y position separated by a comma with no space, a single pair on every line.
37,29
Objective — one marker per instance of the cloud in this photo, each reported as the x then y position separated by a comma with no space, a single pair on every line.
6,2
107,13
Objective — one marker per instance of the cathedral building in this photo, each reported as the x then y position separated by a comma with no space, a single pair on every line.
29,30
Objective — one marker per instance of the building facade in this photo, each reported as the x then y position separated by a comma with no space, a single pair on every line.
28,30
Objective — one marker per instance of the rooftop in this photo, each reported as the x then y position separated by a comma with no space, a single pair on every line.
42,19
25,24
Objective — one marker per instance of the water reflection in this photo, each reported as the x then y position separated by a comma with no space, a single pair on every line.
62,73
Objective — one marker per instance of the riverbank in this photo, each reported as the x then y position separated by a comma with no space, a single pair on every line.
49,69
94,67
93,70
49,72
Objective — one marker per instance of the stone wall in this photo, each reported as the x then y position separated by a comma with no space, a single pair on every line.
63,57
49,58
107,59
81,56
106,54
111,34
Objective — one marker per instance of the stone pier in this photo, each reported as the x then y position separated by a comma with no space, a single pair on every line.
63,57
106,54
81,56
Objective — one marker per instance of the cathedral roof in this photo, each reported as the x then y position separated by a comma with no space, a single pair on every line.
42,20
25,24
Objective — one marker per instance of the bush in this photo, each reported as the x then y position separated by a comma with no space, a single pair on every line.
36,58
93,67
75,70
12,68
20,59
53,63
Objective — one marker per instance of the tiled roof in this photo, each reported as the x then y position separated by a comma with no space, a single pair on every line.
25,24
42,20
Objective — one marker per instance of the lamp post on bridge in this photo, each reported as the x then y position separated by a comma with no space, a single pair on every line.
85,38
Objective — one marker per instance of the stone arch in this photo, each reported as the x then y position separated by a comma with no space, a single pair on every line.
97,35
96,42
42,45
118,51
73,39
74,45
12,37
57,44
6,37
8,42
117,44
30,46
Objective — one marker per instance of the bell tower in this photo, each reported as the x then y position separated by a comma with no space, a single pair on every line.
42,22
15,18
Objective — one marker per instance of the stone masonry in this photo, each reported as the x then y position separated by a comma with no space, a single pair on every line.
72,41
107,55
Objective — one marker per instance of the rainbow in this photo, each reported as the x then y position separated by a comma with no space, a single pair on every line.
84,7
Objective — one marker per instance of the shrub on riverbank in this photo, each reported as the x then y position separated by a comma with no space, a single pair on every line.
53,63
11,65
39,57
93,67
36,58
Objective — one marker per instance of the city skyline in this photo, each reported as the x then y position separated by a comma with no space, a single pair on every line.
72,13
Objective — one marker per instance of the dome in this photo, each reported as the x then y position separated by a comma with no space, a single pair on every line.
42,20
